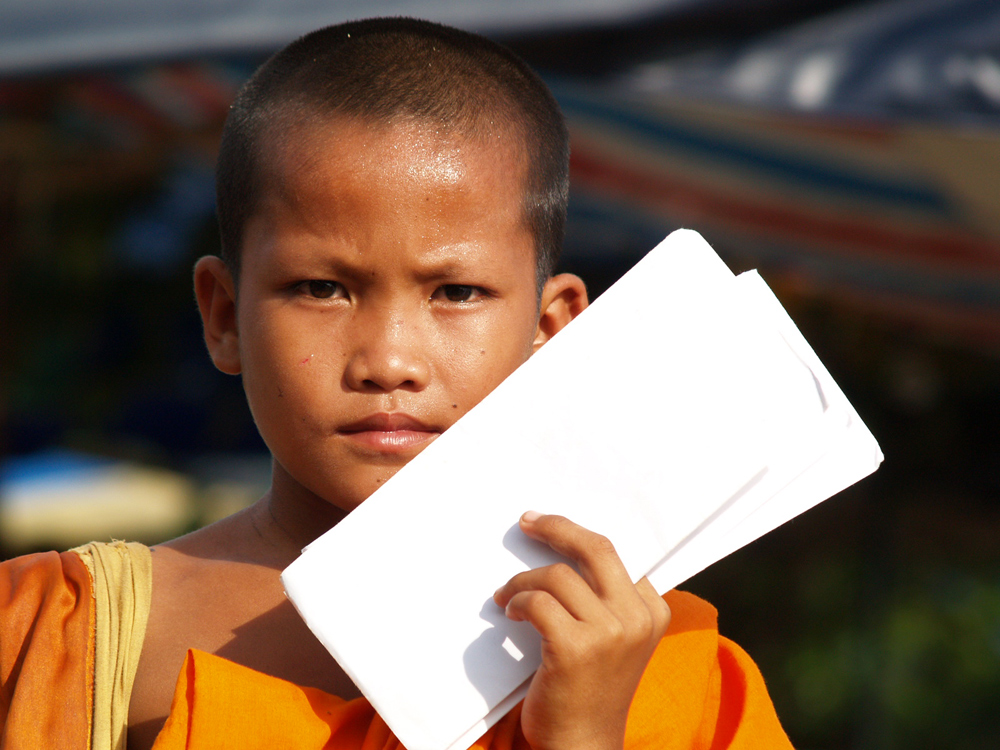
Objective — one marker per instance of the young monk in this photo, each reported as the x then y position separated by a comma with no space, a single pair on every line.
391,196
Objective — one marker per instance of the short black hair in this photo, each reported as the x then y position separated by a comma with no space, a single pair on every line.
384,70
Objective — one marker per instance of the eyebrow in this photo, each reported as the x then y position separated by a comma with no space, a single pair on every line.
454,259
440,263
445,270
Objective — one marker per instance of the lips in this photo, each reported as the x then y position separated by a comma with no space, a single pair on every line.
390,433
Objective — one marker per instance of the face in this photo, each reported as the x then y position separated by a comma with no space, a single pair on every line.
387,284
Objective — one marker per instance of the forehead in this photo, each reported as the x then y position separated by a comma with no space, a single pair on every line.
348,177
405,150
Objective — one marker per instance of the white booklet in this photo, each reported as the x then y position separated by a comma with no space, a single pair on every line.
682,415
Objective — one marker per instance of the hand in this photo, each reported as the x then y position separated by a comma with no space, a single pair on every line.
598,631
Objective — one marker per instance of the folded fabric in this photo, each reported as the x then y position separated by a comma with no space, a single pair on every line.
699,691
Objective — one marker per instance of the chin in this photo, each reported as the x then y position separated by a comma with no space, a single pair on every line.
349,498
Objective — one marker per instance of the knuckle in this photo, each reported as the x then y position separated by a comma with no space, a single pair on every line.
556,523
536,601
644,625
603,643
560,572
602,546
641,625
666,615
655,626
656,606
616,632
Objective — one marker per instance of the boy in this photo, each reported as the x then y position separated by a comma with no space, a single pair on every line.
391,196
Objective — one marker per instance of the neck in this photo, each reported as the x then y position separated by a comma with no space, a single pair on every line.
289,517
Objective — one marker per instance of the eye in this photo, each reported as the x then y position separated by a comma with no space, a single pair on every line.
321,289
459,292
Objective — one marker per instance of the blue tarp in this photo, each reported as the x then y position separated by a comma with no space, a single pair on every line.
902,59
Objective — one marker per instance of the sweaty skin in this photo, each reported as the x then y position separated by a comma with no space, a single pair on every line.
387,284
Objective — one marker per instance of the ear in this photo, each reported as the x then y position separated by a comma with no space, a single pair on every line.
216,295
563,298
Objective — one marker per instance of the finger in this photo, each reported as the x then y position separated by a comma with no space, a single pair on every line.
598,561
659,610
561,582
543,611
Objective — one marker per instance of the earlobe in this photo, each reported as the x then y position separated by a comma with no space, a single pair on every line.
563,298
216,294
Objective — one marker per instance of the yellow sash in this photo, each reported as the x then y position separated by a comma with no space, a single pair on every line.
122,578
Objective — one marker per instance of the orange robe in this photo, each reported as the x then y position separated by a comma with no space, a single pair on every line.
46,652
699,691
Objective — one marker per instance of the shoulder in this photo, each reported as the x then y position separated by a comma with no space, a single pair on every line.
41,581
46,648
689,650
701,689
685,663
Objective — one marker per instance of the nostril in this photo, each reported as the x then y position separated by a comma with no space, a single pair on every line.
369,384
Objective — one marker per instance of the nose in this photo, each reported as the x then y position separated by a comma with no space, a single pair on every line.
388,355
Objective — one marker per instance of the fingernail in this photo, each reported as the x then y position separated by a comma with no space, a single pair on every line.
531,516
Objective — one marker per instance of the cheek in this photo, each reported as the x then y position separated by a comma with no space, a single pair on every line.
283,365
484,354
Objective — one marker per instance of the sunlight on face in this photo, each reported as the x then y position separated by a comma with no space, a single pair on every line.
387,285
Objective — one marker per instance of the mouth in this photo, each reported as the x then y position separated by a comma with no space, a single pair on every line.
389,433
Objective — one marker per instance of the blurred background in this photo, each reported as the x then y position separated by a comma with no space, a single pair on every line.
848,150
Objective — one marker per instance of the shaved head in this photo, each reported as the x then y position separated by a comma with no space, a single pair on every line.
386,71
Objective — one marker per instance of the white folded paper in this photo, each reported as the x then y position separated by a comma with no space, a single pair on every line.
682,415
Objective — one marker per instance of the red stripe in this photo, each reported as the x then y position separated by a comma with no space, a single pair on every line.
687,201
